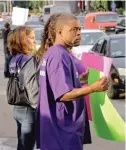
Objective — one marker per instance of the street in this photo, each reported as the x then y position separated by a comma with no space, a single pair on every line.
8,126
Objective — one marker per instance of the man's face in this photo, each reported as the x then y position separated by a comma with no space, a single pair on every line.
71,33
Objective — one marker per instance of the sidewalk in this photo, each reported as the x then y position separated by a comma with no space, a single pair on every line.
8,143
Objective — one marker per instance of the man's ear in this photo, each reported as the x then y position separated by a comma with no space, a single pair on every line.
59,31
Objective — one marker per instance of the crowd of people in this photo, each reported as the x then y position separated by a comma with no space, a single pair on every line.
55,116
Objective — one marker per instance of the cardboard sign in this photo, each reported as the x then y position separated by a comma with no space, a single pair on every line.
107,122
19,16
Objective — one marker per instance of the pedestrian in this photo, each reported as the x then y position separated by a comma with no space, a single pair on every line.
61,106
21,42
6,50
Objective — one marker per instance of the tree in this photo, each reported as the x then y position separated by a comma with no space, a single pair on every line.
29,4
22,4
35,4
105,5
100,5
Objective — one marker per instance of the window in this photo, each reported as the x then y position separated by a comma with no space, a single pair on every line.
104,48
98,46
117,47
47,10
106,18
90,38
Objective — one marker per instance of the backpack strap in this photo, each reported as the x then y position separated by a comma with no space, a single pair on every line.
26,62
18,62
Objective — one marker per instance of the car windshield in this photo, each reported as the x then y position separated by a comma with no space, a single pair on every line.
89,38
117,47
107,18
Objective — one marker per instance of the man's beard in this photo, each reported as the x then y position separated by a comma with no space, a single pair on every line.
71,44
76,44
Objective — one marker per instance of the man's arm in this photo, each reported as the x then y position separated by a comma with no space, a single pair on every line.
99,86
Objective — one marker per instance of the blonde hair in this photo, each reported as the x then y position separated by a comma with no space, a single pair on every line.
18,40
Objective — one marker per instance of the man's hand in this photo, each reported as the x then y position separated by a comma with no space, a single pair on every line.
100,85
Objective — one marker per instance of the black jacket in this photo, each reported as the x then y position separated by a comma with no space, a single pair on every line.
5,35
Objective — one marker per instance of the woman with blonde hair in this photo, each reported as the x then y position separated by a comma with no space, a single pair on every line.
21,42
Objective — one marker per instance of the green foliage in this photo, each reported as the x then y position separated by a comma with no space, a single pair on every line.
120,11
1,8
29,4
22,4
100,5
35,7
36,4
105,5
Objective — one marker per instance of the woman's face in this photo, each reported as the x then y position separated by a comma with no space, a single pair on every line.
32,42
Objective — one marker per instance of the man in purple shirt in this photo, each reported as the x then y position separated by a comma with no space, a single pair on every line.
61,106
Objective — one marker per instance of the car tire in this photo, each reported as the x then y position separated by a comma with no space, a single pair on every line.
112,93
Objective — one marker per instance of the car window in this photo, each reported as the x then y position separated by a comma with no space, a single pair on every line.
98,46
107,18
104,48
47,11
90,38
117,47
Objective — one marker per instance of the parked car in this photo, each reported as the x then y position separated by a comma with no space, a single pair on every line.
113,46
105,21
88,39
120,28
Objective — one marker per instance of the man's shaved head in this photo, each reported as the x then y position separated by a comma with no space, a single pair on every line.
63,19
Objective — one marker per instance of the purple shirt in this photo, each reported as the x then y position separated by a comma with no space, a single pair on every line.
14,59
79,65
61,123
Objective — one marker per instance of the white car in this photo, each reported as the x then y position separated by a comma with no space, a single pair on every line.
88,39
